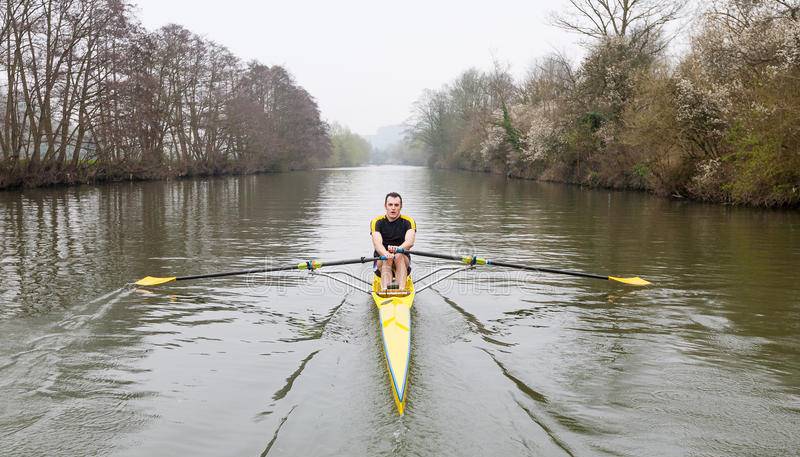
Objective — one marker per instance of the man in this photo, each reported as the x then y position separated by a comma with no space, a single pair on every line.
389,232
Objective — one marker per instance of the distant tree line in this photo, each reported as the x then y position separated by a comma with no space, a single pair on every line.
86,94
405,152
348,149
722,123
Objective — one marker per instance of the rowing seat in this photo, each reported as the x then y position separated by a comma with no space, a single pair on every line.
393,293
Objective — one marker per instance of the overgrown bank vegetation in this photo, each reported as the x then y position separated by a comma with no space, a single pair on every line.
721,124
87,94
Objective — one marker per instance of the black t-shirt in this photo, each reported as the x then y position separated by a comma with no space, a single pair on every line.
394,232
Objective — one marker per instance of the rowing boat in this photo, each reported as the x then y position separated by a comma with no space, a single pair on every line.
394,313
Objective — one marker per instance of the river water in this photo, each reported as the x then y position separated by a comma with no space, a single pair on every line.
706,362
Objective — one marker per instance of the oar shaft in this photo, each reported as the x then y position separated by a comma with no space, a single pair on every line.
481,261
546,270
234,273
313,264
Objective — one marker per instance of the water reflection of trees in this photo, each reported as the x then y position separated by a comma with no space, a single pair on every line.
64,246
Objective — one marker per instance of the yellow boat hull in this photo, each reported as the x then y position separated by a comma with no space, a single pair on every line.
395,319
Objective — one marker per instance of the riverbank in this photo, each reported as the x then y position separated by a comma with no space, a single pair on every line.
596,181
93,174
713,193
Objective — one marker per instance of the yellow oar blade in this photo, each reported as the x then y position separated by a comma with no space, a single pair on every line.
153,281
635,281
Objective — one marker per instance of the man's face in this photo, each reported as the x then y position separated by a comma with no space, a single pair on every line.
393,205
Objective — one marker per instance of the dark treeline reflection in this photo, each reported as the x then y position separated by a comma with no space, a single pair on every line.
66,246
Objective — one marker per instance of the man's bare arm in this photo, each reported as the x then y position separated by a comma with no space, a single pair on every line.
377,243
411,236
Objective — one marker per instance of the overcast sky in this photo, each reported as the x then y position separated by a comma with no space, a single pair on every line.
367,61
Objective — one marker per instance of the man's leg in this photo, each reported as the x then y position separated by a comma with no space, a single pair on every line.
386,273
401,270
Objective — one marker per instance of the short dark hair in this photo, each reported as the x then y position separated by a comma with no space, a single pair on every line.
393,195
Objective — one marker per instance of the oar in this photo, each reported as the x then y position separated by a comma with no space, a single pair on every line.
309,265
471,260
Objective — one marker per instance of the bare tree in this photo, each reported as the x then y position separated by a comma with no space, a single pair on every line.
641,22
432,122
274,123
470,95
738,15
791,8
548,82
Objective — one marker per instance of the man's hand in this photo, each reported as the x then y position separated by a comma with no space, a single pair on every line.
392,249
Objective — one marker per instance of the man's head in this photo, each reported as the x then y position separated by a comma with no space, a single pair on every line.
393,204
